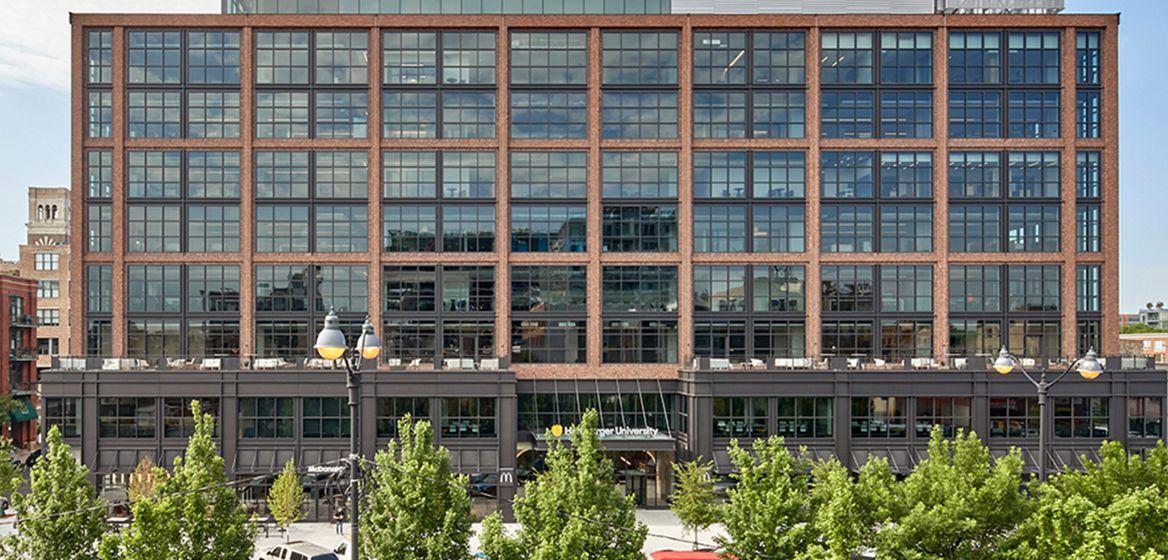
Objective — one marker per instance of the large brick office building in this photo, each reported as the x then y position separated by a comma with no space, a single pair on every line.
714,226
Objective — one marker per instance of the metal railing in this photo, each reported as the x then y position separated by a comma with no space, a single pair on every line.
262,363
869,363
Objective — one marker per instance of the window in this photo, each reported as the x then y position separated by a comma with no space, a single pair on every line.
733,317
906,114
212,174
1033,57
639,175
720,58
550,289
281,57
640,288
902,339
778,288
1081,417
639,58
779,339
409,174
639,114
848,288
409,57
342,175
341,114
469,114
212,288
282,114
341,228
282,174
779,114
549,58
342,287
975,289
548,114
1014,417
468,229
549,341
47,289
282,229
1033,228
468,57
719,114
1034,174
720,288
951,414
777,229
847,174
1033,114
1088,62
282,338
740,417
1088,113
409,228
972,337
846,58
847,228
46,261
847,114
409,114
906,228
879,417
154,57
213,114
1088,174
47,317
1041,339
468,175
540,175
155,174
847,338
975,114
779,57
154,228
99,174
1145,417
719,229
1090,335
805,416
468,288
212,229
975,228
99,220
98,337
775,174
342,57
1088,288
1088,229
975,57
906,57
392,409
720,339
99,288
979,174
906,288
1033,288
468,418
325,417
213,57
283,288
554,229
154,289
65,413
410,288
99,56
906,174
179,422
639,228
99,114
126,417
154,114
212,338
267,417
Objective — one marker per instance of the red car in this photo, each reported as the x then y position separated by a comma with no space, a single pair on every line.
679,555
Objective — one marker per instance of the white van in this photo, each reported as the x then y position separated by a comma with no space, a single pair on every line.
299,550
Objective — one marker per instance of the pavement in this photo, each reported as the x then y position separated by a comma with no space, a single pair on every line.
665,533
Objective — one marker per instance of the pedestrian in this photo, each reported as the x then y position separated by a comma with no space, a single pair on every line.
339,518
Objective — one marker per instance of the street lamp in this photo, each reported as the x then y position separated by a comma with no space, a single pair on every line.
331,345
1088,367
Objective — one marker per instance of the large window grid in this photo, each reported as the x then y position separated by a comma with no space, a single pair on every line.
542,60
311,201
177,310
749,311
312,84
639,76
440,84
1012,305
549,314
984,191
291,302
749,201
438,201
439,312
749,92
883,311
877,84
1000,84
877,202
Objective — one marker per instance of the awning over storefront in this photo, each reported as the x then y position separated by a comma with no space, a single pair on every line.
24,411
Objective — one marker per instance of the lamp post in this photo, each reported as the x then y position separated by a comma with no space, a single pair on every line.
331,345
1088,367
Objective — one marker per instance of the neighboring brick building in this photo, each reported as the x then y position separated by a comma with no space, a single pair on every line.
18,361
44,257
596,200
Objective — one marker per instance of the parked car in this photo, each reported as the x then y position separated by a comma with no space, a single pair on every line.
686,555
299,550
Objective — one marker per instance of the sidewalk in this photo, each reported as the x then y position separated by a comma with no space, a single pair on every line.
662,523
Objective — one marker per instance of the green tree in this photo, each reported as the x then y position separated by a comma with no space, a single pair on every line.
767,515
60,518
193,515
694,501
572,510
1116,508
286,498
958,503
847,511
415,507
144,480
11,475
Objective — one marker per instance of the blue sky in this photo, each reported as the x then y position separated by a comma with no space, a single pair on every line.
34,120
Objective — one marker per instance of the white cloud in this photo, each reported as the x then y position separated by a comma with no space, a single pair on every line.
35,36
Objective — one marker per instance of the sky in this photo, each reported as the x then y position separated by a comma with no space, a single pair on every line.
34,120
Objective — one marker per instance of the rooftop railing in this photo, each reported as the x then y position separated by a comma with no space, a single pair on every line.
868,363
260,363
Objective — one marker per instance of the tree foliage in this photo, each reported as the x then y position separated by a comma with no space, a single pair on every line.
286,498
11,474
847,511
60,518
572,510
144,480
415,507
768,514
694,501
193,515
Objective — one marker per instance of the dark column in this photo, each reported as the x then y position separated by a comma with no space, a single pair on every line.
508,439
842,408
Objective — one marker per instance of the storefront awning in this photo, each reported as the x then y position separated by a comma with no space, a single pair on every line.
24,411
